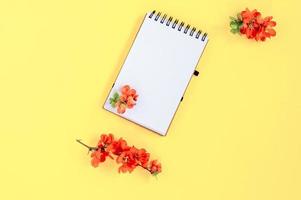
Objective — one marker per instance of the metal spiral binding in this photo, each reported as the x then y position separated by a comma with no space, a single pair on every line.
169,20
192,31
175,23
181,25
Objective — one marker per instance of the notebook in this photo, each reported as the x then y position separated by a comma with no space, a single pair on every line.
156,72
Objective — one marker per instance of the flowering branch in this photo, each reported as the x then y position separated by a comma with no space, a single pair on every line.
128,157
95,148
251,24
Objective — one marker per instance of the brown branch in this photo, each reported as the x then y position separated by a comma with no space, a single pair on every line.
89,147
145,168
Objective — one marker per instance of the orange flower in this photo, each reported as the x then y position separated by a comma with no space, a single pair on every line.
98,156
142,156
105,140
130,92
121,107
127,99
254,26
130,102
119,146
248,16
128,161
125,89
123,98
155,167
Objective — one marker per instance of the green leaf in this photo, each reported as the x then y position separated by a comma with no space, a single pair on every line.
155,174
116,95
234,31
233,25
113,104
113,100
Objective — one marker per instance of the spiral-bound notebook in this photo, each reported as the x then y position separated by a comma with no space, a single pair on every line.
159,66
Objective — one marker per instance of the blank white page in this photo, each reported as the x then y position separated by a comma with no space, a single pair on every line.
159,67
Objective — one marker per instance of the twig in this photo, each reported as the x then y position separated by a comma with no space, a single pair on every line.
90,148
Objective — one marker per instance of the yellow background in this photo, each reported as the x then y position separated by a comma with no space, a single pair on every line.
236,135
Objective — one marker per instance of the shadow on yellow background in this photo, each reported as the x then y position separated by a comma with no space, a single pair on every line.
235,136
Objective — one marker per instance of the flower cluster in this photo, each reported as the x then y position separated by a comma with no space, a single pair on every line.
127,99
129,157
251,24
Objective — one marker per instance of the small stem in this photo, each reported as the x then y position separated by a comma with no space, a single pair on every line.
90,148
